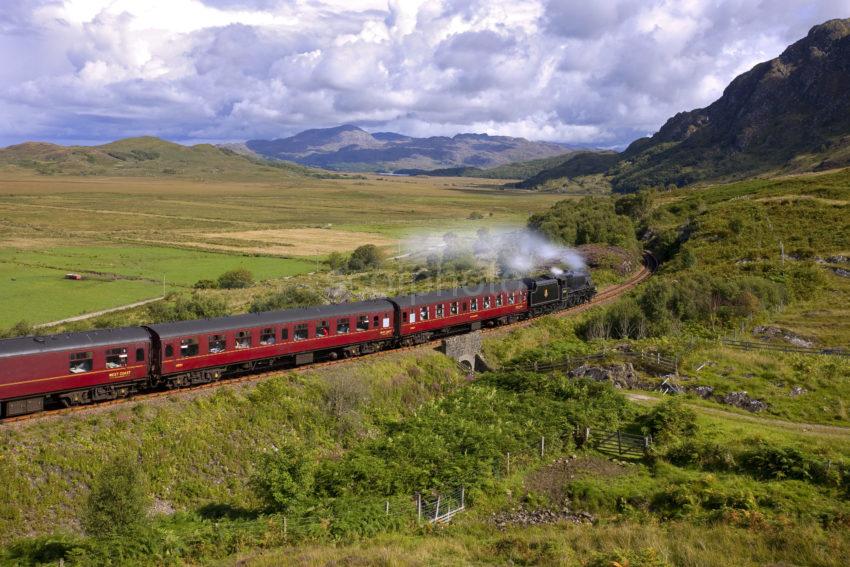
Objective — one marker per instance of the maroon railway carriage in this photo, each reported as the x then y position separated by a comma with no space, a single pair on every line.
72,368
191,352
425,316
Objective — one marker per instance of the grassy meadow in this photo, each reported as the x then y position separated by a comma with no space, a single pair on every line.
300,468
126,235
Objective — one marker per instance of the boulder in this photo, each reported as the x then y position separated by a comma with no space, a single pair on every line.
744,401
620,375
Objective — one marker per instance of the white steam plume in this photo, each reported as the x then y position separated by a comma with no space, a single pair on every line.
521,251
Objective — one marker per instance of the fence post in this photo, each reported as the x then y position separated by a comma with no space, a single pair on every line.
388,508
509,464
542,446
419,505
437,509
462,498
284,526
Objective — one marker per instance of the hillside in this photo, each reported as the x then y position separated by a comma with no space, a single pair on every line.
144,157
351,148
516,170
322,465
790,113
577,165
787,115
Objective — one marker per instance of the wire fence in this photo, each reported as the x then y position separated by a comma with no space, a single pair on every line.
747,345
375,514
654,360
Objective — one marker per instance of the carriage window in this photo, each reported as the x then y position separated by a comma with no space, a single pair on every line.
342,326
81,362
301,332
267,337
116,357
243,339
487,301
423,314
363,323
386,322
218,343
440,310
140,355
453,308
474,304
499,300
511,299
188,347
284,334
322,329
465,306
169,350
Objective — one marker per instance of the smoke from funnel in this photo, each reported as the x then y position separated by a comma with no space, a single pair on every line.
517,251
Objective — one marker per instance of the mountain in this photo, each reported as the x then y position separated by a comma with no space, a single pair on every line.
353,149
145,157
578,164
514,170
788,114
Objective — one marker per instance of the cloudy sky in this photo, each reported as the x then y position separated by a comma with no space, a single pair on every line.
576,71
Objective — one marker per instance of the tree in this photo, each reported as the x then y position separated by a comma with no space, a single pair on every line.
286,298
236,279
284,476
365,257
117,503
337,261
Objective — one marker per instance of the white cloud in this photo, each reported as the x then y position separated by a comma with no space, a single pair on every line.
569,70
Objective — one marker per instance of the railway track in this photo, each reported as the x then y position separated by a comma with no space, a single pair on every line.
605,296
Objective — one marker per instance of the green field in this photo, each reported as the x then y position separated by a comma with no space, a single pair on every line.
127,235
35,288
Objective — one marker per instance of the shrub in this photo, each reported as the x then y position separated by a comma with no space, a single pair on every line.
117,504
705,455
591,220
768,462
284,476
364,257
19,329
236,279
337,261
670,420
206,284
182,308
295,296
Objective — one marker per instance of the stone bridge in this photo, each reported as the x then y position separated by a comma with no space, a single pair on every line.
466,350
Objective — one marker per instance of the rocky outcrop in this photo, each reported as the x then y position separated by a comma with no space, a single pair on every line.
798,103
767,333
744,401
620,375
522,517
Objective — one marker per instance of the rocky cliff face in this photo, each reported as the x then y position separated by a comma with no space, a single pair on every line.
795,105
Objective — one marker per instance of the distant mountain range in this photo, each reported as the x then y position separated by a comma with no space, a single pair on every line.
147,157
790,114
350,148
787,115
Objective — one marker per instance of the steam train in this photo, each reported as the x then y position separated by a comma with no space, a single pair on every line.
83,367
